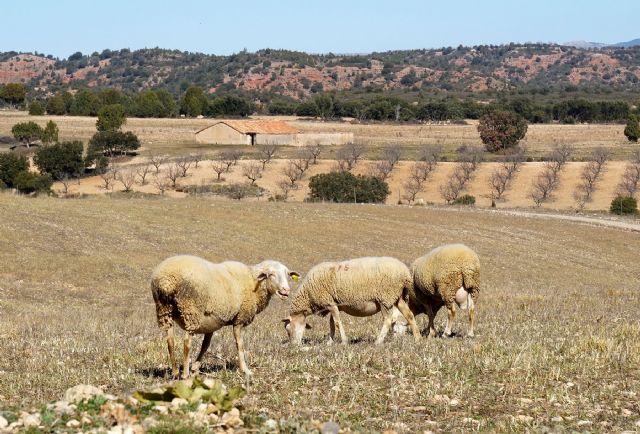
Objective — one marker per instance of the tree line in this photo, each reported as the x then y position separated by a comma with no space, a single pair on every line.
195,102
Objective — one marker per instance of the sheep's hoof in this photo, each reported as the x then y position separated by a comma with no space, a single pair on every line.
195,368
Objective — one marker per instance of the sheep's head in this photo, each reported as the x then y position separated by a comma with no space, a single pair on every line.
274,276
295,325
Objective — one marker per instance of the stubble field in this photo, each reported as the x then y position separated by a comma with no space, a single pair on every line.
557,343
177,136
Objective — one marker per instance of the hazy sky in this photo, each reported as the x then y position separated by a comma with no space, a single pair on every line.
63,27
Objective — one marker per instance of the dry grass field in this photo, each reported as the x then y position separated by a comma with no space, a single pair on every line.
557,345
175,136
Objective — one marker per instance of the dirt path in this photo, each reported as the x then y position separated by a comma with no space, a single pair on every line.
577,219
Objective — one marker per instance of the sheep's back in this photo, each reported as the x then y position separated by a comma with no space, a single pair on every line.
197,284
443,264
379,279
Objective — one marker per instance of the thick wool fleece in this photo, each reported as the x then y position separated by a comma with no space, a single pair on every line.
380,279
439,274
189,289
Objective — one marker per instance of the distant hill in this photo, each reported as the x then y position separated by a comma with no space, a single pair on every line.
628,44
598,45
298,75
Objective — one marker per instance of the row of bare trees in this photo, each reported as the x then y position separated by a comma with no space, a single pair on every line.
464,171
630,182
502,178
549,179
589,176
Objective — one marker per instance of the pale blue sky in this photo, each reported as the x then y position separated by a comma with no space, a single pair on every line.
62,27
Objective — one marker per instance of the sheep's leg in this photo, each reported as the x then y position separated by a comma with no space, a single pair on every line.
472,316
431,327
186,358
386,324
335,315
171,344
206,341
451,310
238,333
403,307
332,330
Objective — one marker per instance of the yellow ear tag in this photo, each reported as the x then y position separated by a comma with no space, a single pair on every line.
295,278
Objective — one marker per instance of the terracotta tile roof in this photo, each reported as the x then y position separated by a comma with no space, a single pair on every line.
258,126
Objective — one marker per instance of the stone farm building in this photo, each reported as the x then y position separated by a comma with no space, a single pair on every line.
265,132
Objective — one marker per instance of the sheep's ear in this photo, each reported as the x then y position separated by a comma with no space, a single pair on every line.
295,276
262,276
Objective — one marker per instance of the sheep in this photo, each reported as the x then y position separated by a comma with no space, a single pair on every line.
359,287
201,297
449,275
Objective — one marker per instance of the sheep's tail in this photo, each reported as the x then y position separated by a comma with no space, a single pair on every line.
407,288
471,279
163,290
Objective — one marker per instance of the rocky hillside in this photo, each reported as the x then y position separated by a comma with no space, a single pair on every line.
537,67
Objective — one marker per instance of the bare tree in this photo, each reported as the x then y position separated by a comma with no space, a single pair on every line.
292,172
142,172
302,161
162,183
544,185
286,186
235,154
157,161
392,154
108,177
267,153
183,164
589,177
470,159
412,187
560,157
549,179
253,171
381,169
127,178
499,183
219,167
502,178
313,152
355,151
630,182
66,182
229,159
431,153
452,188
173,173
196,158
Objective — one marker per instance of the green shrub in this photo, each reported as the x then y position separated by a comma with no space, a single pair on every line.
466,199
60,160
624,205
28,182
10,165
345,187
36,108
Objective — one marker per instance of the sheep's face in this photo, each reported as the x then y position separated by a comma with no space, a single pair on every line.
275,276
295,326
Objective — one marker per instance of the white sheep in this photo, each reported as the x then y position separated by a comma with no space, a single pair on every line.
202,297
449,275
360,287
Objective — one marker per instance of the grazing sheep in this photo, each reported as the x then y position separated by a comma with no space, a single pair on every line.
359,287
449,275
202,297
